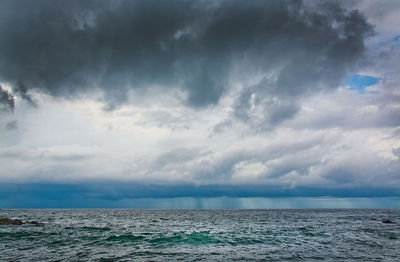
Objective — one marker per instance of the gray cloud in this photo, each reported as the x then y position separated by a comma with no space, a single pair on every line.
7,102
21,89
29,155
68,48
349,116
396,152
12,125
208,167
350,110
324,159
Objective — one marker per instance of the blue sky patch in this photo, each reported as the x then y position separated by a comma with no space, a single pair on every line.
360,82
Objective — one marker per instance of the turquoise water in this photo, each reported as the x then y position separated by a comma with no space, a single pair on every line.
202,235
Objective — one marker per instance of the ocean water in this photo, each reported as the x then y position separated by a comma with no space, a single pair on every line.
202,235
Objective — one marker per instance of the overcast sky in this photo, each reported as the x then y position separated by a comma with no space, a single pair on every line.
183,98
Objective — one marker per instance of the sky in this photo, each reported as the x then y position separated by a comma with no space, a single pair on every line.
246,104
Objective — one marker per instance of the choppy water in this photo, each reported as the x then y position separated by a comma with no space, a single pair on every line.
189,235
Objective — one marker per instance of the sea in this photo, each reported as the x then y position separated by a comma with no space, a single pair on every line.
201,235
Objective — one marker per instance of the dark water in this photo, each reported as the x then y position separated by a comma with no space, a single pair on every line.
242,235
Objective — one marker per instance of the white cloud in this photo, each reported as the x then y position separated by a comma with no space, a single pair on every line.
325,145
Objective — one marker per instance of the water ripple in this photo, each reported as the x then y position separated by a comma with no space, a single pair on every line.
241,235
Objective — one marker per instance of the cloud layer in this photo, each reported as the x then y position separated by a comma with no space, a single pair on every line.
279,49
200,98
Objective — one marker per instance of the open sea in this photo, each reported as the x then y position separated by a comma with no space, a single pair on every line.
202,235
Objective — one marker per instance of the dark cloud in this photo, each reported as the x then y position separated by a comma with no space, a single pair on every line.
260,107
7,102
66,48
21,89
11,125
108,195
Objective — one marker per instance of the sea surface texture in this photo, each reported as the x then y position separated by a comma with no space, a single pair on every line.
202,235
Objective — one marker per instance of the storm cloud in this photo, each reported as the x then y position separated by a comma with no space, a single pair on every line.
279,50
200,98
7,102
